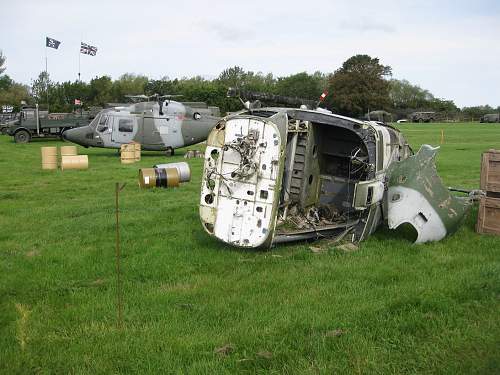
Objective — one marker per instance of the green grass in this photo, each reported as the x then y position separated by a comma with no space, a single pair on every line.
400,308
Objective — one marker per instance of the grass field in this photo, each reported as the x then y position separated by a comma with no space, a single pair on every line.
193,305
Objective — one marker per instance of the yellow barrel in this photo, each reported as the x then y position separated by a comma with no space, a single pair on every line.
68,151
127,152
49,157
158,177
74,162
172,179
137,149
147,177
128,157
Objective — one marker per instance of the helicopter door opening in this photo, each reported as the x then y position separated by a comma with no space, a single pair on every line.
124,129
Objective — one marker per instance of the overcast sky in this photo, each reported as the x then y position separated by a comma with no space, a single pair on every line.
452,49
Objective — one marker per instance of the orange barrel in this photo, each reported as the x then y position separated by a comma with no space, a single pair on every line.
158,177
74,162
49,157
182,167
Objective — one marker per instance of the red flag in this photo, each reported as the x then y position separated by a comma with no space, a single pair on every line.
323,96
78,102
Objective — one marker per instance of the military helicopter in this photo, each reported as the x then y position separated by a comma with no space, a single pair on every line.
276,174
158,125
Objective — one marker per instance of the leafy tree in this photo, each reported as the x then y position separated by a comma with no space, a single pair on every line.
476,112
359,85
162,86
442,105
2,62
75,90
101,91
128,84
238,78
5,82
40,88
232,77
302,85
14,94
404,95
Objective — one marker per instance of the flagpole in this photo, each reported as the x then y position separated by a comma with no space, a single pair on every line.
46,78
79,60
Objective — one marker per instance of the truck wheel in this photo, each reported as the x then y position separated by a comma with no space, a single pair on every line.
421,120
169,151
22,136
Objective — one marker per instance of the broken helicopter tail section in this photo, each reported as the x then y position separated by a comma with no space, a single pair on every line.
274,175
416,196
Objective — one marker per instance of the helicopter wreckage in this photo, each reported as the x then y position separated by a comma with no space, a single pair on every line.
274,175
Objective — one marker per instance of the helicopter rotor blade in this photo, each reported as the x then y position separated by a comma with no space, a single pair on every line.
170,96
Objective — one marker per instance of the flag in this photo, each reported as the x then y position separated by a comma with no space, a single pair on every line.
78,102
52,43
323,96
87,49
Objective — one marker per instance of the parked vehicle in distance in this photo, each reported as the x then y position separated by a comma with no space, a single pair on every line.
380,116
490,117
6,119
33,123
422,116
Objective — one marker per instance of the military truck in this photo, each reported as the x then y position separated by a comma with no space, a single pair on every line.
380,116
490,117
33,123
422,116
6,119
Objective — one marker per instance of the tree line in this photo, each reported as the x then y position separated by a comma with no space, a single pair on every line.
360,85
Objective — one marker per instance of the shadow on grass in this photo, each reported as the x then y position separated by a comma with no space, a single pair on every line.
144,154
204,241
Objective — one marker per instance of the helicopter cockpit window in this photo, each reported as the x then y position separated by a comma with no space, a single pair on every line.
103,124
126,125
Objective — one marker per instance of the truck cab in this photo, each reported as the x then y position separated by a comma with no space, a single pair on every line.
35,123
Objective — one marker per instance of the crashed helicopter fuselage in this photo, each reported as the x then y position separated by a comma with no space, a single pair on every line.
274,175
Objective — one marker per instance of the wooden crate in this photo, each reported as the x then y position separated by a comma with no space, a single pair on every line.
490,172
488,218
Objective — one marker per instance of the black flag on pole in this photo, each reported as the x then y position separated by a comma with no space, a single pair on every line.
52,43
87,49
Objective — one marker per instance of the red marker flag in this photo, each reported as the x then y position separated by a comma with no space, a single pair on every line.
78,102
323,96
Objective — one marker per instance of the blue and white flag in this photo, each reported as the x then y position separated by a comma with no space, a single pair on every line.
52,43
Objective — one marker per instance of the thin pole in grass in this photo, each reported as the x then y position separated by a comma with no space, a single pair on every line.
118,255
